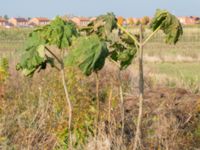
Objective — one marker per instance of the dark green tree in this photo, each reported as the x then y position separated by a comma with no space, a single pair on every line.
6,17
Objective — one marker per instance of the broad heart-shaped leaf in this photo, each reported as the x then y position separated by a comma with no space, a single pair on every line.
169,24
103,25
58,32
123,49
30,61
33,57
123,55
88,53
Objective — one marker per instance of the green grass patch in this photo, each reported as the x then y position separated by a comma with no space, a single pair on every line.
187,74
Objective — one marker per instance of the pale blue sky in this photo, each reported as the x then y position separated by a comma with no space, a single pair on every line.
126,8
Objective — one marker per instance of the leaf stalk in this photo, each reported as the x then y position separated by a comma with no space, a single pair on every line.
151,35
129,34
53,55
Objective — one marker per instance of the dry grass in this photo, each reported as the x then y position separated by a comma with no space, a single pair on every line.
33,112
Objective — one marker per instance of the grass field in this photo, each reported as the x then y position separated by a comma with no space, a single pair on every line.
181,61
189,45
179,74
12,39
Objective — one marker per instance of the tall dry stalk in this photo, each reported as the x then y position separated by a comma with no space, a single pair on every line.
110,107
68,100
141,92
121,104
62,73
98,108
70,108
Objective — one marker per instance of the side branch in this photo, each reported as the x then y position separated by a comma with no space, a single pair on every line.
151,35
129,34
53,55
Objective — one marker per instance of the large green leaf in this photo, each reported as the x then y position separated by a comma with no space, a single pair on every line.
169,24
30,61
88,53
102,25
123,49
123,54
58,32
31,58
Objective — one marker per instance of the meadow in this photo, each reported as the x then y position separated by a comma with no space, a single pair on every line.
33,110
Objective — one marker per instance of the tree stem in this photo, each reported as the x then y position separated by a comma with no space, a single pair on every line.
70,146
70,108
122,104
151,35
53,55
141,94
130,35
98,106
109,107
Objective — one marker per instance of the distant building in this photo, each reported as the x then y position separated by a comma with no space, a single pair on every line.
182,20
196,19
3,22
38,21
81,21
136,21
189,20
18,22
93,19
129,21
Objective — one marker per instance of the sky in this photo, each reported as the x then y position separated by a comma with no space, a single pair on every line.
89,8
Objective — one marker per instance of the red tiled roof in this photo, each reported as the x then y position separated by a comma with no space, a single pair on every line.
84,19
93,18
189,20
21,19
42,19
195,18
3,20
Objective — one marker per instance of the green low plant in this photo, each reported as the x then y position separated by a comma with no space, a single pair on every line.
4,66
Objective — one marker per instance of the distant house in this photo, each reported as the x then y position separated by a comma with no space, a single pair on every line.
93,19
81,21
182,20
38,21
3,22
18,22
136,20
196,19
189,20
129,21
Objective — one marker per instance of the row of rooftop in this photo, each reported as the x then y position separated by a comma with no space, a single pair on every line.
83,21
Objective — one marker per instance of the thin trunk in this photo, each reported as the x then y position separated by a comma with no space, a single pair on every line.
109,108
141,93
98,107
122,104
70,108
70,146
60,61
